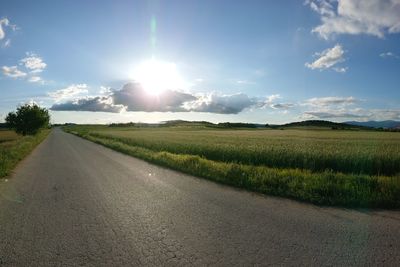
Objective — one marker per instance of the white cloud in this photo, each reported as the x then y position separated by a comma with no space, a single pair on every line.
284,106
270,102
328,58
3,22
270,99
7,43
324,8
34,79
68,92
223,104
344,108
384,114
233,104
105,90
33,62
13,72
330,100
244,82
330,114
341,69
31,65
389,55
358,113
372,17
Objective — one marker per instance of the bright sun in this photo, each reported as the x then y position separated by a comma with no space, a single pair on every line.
158,76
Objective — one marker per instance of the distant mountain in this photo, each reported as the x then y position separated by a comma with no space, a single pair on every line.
317,123
186,123
300,124
308,124
390,124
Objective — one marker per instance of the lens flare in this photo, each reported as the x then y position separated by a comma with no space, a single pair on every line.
158,76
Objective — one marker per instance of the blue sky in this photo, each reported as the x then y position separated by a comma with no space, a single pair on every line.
252,61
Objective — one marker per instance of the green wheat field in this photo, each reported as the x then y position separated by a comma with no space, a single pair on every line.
319,165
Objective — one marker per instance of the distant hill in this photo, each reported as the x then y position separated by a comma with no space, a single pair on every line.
240,125
209,124
392,126
389,124
318,123
186,122
183,123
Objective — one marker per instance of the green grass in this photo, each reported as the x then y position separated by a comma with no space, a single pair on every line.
281,163
356,152
15,147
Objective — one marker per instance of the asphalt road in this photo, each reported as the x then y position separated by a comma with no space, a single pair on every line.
73,202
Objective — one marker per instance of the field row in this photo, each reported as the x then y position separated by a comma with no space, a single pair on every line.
372,153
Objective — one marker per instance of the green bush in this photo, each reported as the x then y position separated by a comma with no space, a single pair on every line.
28,119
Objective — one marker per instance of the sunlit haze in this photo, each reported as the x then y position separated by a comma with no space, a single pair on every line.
157,76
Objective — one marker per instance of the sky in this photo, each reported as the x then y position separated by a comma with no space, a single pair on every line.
214,60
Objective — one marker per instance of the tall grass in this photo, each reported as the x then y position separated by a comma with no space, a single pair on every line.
14,147
325,187
372,153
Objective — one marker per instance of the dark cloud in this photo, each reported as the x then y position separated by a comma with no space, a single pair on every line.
223,104
135,98
89,104
132,97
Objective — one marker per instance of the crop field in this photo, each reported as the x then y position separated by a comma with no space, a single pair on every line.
14,147
7,136
359,168
315,150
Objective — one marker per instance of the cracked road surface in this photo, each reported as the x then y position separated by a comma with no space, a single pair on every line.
73,202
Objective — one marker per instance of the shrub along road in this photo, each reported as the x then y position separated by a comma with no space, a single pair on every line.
73,202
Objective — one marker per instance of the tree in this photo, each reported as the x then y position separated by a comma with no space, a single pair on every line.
28,119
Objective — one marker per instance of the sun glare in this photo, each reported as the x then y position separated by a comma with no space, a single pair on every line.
158,76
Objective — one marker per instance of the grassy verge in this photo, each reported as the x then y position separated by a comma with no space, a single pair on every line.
323,188
12,151
317,150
